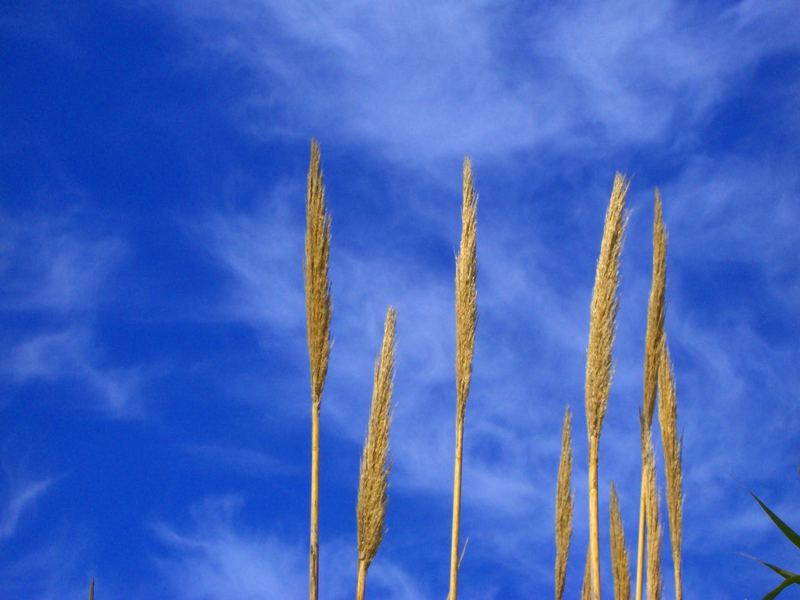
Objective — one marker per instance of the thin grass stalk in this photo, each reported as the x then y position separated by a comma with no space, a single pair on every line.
564,506
668,420
466,321
598,356
655,329
654,581
91,589
318,318
620,559
374,477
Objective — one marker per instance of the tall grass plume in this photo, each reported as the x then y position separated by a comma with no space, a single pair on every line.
318,319
466,321
598,355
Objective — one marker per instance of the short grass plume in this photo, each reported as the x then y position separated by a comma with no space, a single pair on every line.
564,506
374,477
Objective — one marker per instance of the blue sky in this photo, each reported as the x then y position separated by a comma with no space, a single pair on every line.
154,393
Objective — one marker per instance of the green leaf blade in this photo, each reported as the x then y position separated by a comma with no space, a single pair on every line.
782,572
787,531
786,583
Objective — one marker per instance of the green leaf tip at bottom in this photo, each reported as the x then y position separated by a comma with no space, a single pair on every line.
775,568
787,531
786,583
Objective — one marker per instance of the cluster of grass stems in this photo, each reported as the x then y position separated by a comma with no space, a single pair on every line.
658,383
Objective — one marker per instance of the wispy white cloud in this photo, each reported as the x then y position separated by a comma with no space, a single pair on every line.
425,82
215,561
72,354
20,498
217,557
57,271
243,461
52,571
49,264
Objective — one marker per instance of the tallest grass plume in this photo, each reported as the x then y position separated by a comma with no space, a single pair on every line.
602,322
466,321
318,316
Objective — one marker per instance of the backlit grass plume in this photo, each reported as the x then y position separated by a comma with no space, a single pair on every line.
91,589
318,316
653,519
466,321
668,420
564,506
620,560
374,480
598,356
652,344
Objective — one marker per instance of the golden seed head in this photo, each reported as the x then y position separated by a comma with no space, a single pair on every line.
655,311
374,480
466,291
564,505
604,311
317,286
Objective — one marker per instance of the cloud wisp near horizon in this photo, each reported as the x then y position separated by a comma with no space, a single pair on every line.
153,307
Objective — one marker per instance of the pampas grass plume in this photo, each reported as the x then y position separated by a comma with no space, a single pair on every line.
318,319
598,356
374,478
564,506
466,322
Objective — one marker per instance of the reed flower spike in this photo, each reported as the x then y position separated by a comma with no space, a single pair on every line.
652,344
466,321
599,369
564,506
374,481
318,320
